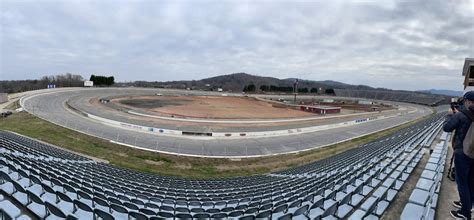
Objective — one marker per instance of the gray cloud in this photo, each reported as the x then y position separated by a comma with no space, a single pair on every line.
407,44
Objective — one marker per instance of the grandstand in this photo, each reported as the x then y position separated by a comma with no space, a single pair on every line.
397,96
42,181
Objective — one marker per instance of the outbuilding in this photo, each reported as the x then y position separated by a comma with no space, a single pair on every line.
321,109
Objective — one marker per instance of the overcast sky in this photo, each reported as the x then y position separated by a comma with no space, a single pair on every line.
411,44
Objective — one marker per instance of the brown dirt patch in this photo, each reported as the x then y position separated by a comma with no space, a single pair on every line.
217,107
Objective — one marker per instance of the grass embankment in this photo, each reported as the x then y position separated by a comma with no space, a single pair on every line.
14,105
188,167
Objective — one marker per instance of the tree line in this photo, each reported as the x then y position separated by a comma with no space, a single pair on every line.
60,80
102,80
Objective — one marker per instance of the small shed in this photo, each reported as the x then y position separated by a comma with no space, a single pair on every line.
321,109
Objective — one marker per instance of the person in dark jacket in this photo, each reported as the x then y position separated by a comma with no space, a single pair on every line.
464,166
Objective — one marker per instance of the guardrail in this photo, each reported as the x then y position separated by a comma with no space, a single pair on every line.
242,134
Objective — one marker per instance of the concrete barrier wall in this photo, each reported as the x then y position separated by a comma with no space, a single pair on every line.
3,98
240,134
133,126
233,134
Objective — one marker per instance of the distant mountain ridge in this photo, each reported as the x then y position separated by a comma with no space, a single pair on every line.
444,92
236,82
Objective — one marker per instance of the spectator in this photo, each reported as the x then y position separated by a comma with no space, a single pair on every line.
464,166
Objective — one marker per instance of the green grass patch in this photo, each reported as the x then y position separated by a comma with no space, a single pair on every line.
171,165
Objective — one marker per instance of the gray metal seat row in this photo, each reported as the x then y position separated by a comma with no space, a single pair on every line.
424,198
365,179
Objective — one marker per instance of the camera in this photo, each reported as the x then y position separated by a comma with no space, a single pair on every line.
456,104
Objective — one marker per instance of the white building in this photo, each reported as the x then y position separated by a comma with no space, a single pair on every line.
88,83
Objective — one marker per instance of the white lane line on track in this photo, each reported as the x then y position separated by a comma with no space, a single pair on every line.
254,121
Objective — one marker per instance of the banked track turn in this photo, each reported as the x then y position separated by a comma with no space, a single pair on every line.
51,106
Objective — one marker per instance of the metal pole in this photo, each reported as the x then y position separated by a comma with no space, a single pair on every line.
294,93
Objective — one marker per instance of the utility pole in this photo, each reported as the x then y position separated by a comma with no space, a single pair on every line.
295,90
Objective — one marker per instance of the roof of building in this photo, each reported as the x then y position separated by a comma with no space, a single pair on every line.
325,107
467,63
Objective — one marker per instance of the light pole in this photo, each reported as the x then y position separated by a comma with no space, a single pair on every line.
295,90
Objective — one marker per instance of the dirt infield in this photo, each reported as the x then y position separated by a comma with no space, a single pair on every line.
216,107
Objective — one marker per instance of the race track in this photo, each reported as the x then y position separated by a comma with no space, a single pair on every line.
51,106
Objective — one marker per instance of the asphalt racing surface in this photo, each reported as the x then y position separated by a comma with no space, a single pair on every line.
51,106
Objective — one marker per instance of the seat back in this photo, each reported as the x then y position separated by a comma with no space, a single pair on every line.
264,215
219,216
301,211
83,195
346,199
18,187
63,196
247,217
280,208
295,204
130,205
317,204
82,206
4,177
118,208
286,217
53,210
183,216
137,216
138,202
99,201
147,211
330,210
113,200
201,216
236,214
101,215
165,215
34,198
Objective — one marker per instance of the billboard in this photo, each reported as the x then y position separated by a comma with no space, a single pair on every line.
51,86
88,83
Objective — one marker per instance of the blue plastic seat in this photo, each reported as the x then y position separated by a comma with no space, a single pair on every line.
82,210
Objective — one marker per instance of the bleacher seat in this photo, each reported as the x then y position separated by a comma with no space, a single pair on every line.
358,183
